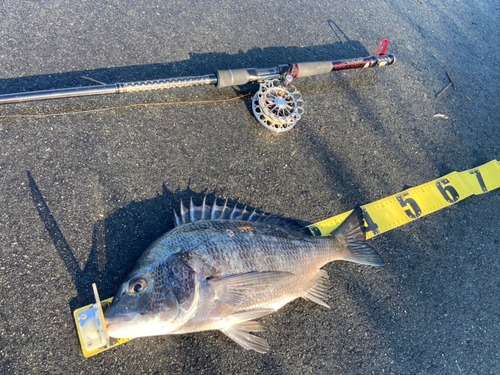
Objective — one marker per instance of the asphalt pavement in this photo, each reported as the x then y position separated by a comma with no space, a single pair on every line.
86,184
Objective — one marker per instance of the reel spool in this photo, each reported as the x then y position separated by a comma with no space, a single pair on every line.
278,105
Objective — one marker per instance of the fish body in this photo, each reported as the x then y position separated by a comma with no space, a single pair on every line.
220,268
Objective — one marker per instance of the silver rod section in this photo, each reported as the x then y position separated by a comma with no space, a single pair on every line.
167,83
57,93
116,88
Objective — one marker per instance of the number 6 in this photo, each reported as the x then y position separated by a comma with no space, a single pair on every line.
448,192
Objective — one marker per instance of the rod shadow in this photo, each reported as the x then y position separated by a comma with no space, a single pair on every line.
197,64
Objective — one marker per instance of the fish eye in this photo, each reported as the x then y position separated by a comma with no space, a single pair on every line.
137,285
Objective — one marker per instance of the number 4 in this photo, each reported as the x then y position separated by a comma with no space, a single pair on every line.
372,226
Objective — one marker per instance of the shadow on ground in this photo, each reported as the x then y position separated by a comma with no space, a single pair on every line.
197,64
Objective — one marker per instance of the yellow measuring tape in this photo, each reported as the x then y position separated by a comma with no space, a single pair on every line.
399,209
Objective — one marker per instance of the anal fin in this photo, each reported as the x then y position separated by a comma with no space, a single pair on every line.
317,293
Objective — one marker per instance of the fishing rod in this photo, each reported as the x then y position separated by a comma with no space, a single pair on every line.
278,105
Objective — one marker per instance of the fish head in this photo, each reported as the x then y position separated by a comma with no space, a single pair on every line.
144,305
153,300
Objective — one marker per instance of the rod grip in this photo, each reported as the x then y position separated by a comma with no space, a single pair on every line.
308,69
232,77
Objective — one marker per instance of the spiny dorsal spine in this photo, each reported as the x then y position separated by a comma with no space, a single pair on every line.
223,212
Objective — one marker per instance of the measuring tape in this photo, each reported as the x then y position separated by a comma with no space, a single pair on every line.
399,209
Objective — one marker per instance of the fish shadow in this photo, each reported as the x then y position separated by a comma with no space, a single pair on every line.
118,240
121,238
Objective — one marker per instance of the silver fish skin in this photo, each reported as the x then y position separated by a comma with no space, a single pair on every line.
220,268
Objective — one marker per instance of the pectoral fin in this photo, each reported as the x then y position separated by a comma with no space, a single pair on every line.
235,289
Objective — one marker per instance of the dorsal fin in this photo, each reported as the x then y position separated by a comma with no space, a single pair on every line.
224,212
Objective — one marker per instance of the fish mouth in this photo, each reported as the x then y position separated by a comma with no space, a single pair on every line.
119,319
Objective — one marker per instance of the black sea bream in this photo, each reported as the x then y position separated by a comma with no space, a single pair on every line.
221,268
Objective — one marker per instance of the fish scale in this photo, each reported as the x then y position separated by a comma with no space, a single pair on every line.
221,267
282,248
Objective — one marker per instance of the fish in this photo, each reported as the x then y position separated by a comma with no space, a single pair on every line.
221,268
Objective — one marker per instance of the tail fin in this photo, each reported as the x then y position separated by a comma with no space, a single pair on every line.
352,232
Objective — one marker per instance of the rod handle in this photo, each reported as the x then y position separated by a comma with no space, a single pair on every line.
232,77
308,69
236,77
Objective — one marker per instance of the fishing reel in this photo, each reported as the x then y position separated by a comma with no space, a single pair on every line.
278,105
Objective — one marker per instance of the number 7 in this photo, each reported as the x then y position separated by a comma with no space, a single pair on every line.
480,180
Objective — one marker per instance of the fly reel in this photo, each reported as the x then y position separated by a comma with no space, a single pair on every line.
278,105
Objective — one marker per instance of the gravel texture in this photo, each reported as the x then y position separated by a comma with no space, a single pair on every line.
83,194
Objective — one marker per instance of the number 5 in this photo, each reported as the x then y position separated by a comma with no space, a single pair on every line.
409,201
